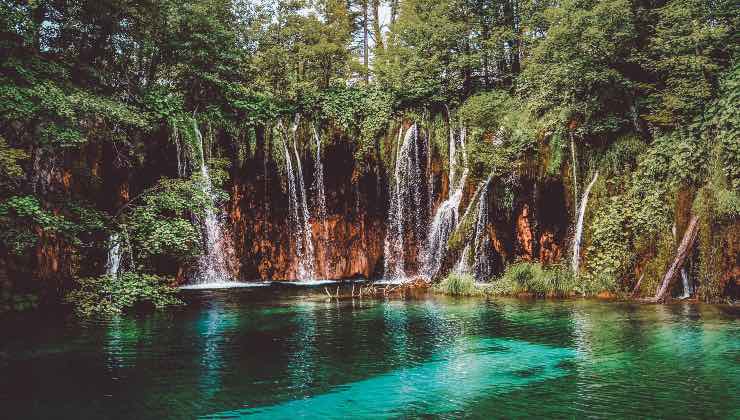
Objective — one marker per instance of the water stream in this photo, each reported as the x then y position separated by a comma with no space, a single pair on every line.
113,264
576,259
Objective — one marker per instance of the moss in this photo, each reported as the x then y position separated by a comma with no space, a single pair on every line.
662,252
719,235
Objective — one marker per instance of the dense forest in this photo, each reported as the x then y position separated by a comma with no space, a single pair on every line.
341,130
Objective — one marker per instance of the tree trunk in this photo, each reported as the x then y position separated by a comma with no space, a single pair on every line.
365,47
687,244
394,11
636,290
377,32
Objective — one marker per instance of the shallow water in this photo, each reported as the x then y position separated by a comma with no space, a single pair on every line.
279,352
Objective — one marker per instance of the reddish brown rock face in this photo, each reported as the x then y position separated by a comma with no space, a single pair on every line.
549,248
350,243
524,235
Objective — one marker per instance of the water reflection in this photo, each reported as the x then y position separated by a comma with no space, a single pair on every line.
215,326
291,352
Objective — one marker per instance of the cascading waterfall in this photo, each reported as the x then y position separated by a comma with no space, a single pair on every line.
212,266
579,225
318,182
462,265
306,270
298,209
447,215
481,241
406,189
687,289
319,194
113,264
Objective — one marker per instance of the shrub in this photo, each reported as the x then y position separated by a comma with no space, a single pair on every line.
456,284
110,295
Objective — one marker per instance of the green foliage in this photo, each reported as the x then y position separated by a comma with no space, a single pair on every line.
20,215
611,253
456,284
11,172
100,86
534,279
14,301
721,126
718,207
160,224
573,74
504,132
694,40
110,295
24,218
620,157
362,111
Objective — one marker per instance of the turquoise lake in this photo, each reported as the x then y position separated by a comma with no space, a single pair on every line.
288,352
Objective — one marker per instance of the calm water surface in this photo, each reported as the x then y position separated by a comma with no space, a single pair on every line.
288,352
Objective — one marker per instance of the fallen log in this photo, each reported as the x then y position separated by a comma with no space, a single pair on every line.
687,244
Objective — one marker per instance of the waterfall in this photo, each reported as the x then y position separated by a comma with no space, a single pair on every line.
575,170
579,225
318,182
480,245
181,161
306,269
212,266
481,240
114,256
406,188
319,194
446,218
462,265
298,209
687,289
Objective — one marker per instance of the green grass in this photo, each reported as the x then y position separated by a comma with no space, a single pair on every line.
532,278
456,284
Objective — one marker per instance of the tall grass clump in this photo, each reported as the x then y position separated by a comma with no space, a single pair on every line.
456,284
534,279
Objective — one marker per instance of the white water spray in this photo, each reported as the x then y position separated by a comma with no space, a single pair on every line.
481,241
447,215
406,189
320,197
299,217
212,266
576,260
687,289
113,264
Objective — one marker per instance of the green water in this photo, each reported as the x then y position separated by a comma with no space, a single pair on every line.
289,353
